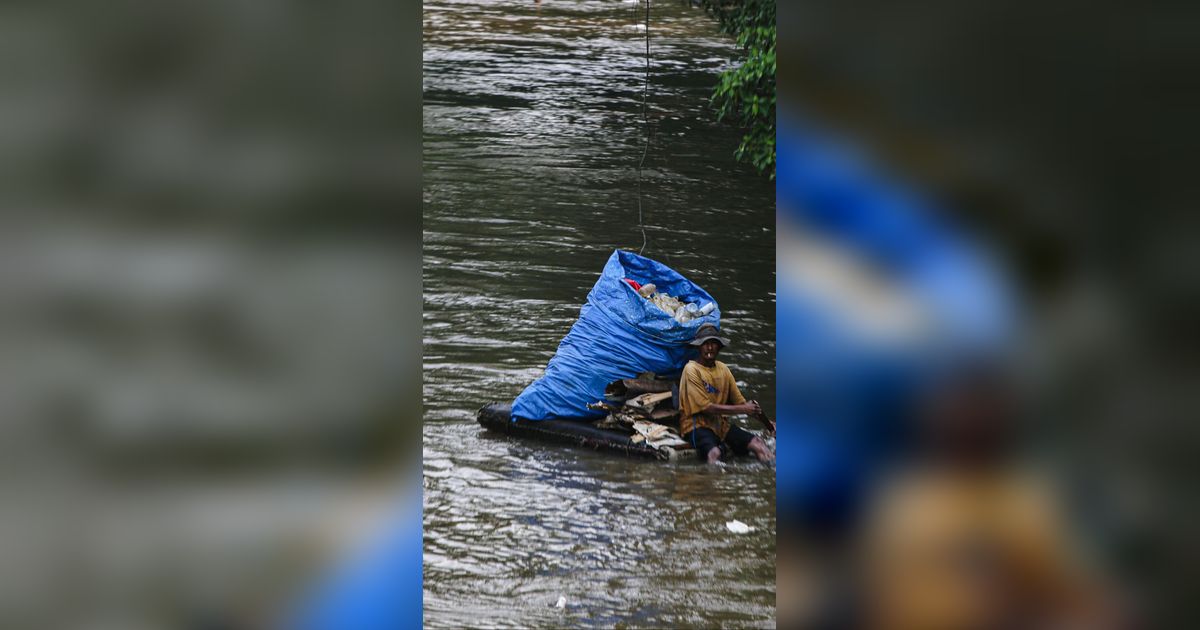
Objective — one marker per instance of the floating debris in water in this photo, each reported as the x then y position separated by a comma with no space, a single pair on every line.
738,527
562,602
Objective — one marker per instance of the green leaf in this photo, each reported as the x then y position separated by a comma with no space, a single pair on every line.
745,94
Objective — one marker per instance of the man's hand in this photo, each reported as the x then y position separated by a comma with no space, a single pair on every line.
752,408
761,417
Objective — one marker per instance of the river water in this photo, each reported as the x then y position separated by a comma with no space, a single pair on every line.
532,137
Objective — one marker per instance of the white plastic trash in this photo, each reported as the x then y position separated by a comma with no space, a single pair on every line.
738,527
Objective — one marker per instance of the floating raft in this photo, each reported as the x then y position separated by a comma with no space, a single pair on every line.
498,417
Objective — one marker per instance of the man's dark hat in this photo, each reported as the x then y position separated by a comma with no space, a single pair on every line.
706,332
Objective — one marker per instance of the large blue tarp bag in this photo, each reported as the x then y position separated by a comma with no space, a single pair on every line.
619,334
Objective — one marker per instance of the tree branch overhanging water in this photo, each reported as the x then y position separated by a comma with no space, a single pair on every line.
745,94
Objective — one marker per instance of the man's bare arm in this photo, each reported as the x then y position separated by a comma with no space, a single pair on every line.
749,408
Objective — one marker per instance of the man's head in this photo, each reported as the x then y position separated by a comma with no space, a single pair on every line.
709,340
968,415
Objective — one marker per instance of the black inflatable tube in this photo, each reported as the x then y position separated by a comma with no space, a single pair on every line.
498,417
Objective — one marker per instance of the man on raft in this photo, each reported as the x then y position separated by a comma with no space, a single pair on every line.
707,394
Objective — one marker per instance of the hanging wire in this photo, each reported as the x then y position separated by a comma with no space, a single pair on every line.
646,127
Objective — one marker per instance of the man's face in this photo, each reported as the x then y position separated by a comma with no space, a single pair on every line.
710,349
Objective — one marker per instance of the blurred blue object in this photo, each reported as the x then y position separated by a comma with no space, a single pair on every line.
619,334
377,587
878,293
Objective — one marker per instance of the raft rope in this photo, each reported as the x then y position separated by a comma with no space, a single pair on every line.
646,127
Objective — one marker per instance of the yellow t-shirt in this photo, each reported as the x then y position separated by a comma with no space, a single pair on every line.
961,552
700,387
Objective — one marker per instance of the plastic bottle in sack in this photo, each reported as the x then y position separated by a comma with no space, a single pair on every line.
706,309
687,313
647,290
